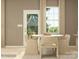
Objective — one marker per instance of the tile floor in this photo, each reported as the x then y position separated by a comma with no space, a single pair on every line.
61,57
10,52
18,53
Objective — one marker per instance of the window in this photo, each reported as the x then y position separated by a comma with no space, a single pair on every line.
52,19
32,24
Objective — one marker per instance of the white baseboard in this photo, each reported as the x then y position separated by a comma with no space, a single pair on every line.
71,46
74,52
15,46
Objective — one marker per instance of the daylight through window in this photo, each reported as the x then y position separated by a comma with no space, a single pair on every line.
52,19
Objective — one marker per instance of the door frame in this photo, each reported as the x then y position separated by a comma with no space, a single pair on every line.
25,12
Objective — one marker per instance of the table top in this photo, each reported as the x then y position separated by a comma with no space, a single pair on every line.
41,35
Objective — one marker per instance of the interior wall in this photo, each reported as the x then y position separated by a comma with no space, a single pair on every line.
71,16
14,16
3,23
52,2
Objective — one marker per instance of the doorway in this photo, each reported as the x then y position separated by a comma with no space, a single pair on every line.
31,24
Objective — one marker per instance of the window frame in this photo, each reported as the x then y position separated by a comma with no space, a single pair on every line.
58,21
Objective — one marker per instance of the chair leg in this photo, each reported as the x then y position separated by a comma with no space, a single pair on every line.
40,54
54,51
57,54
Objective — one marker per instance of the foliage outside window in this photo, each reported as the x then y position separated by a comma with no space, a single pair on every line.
52,19
32,24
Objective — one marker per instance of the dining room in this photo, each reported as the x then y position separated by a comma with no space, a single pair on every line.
34,29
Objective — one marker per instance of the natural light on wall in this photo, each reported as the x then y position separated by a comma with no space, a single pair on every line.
52,19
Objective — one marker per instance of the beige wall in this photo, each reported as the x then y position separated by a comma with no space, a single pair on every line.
52,2
14,16
2,23
71,16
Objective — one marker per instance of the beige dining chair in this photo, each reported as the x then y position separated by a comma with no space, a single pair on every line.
48,42
64,43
